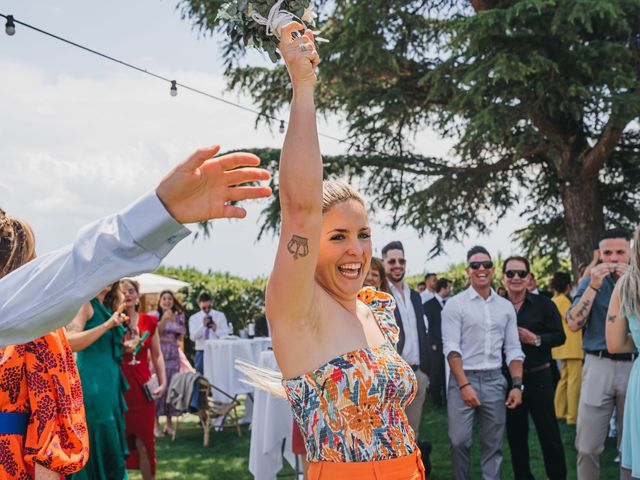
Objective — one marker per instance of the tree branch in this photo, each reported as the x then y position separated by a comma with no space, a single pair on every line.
596,157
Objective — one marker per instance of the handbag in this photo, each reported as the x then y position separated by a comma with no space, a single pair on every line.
150,387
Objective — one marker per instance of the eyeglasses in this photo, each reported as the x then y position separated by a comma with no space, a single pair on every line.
513,273
401,261
487,264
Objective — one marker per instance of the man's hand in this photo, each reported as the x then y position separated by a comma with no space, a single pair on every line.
620,269
598,273
514,399
527,336
469,397
201,187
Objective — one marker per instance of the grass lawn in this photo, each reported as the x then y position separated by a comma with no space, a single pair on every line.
227,457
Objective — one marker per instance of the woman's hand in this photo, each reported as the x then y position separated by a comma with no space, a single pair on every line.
118,318
157,393
299,55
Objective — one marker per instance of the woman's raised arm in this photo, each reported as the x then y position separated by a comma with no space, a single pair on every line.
291,285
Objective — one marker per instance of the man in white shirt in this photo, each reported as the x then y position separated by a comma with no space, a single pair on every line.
477,326
429,292
413,340
46,293
206,324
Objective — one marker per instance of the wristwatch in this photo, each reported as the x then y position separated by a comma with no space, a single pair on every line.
538,341
519,386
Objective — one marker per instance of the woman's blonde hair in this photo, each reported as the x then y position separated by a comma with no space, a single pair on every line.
630,281
334,192
17,243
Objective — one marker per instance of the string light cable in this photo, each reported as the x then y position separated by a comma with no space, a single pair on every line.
10,29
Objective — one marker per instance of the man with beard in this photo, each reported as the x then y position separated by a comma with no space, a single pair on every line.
413,341
478,325
604,375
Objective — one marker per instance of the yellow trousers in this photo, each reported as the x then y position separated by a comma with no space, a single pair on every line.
568,390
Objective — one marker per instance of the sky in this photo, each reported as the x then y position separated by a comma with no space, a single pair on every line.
82,137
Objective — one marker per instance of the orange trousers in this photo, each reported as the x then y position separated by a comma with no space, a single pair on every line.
409,467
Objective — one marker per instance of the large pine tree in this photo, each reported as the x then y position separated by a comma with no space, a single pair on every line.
542,99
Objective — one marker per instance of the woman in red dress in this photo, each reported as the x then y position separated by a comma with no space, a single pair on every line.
141,343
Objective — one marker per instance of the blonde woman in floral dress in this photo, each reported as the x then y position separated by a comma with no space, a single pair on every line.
334,342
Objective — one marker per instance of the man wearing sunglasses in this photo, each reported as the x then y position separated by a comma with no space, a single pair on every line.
539,329
477,327
604,375
413,342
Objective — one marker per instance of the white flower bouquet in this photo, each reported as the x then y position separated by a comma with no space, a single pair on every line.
258,22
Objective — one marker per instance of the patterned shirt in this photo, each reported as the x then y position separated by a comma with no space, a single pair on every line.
351,409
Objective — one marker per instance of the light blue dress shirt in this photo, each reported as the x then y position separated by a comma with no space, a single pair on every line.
46,293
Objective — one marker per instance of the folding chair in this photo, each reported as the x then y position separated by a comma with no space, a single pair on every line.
210,409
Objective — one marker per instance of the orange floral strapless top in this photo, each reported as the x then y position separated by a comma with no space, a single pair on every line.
351,409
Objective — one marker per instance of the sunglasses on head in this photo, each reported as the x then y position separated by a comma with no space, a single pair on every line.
513,273
487,264
401,261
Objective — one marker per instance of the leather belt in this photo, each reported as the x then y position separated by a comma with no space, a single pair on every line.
623,357
12,423
539,368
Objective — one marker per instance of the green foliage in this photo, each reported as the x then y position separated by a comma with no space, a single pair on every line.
241,300
540,97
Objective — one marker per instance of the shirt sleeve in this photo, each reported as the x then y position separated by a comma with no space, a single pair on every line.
196,327
222,324
451,328
512,348
553,335
57,436
46,293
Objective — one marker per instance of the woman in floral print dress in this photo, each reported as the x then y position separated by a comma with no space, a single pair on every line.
43,432
334,342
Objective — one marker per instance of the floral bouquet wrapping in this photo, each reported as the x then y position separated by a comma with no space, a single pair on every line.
258,22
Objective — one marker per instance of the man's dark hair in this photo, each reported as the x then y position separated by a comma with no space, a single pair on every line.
560,281
615,233
441,284
204,297
422,283
395,245
517,258
426,277
475,250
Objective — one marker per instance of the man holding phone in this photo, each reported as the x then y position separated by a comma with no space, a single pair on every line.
605,375
205,324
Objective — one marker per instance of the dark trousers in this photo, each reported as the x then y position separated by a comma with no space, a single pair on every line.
199,362
537,401
437,388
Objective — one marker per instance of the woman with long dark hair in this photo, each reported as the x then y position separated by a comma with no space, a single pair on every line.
171,328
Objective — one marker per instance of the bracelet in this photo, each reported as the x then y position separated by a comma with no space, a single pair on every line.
594,288
465,385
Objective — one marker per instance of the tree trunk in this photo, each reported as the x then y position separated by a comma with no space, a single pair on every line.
584,218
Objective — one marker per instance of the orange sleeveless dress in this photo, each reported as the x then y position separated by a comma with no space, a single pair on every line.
351,409
40,379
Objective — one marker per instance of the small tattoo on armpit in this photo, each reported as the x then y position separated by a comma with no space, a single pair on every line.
611,318
298,246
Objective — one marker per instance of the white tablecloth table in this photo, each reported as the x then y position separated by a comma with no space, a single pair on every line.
220,356
271,429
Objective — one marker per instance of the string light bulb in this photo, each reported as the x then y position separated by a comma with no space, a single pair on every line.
174,88
10,26
281,126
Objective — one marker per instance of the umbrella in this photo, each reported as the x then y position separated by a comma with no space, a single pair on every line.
152,283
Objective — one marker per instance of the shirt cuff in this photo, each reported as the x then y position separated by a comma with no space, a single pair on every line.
152,226
515,355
